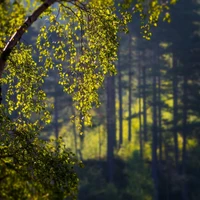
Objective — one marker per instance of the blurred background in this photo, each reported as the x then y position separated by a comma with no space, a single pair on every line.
144,140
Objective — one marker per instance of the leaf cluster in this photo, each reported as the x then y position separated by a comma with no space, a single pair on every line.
31,167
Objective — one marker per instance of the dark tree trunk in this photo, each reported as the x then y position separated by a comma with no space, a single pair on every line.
130,90
56,128
100,143
154,138
144,102
184,132
175,110
140,113
0,93
111,125
82,130
120,101
160,117
74,131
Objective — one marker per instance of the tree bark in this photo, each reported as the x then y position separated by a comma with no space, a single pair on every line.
18,34
100,143
111,125
154,132
184,132
130,90
0,94
120,101
56,114
160,117
82,135
140,113
144,102
74,130
175,111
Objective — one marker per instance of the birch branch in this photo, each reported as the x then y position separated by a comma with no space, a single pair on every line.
18,34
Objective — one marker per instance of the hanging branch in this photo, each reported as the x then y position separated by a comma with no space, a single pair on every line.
18,34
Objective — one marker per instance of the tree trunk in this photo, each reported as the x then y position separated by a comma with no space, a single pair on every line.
154,134
99,142
1,94
81,134
175,110
140,113
184,132
74,130
56,114
111,125
160,117
144,102
120,101
130,90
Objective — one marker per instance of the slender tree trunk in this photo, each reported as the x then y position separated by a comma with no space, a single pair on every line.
184,132
160,117
56,128
1,93
140,113
154,142
74,131
120,101
82,135
111,125
130,90
100,142
175,110
144,102
56,131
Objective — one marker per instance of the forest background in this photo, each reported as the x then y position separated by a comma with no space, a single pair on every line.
144,139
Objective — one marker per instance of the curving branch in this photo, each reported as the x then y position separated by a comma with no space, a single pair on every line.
18,34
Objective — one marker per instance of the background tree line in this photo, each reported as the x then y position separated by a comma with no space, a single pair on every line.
144,139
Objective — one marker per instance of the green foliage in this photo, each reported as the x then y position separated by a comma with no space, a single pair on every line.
79,38
34,168
87,43
150,13
84,51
